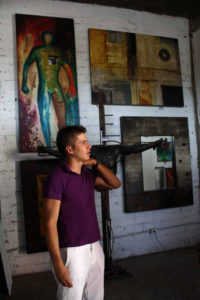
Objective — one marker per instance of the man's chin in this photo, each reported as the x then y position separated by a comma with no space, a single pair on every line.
86,159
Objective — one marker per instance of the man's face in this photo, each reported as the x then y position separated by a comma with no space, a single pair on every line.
81,148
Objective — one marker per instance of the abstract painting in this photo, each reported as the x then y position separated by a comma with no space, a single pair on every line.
134,69
47,81
33,175
157,178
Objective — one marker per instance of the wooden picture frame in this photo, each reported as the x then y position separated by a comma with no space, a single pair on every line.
179,191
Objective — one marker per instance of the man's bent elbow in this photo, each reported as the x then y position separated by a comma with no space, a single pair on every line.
117,184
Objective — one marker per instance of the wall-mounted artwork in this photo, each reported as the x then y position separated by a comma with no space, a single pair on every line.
47,81
33,175
134,69
157,178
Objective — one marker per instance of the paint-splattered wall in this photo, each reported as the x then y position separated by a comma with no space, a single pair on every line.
177,227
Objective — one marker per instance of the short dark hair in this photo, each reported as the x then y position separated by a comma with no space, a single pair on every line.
67,136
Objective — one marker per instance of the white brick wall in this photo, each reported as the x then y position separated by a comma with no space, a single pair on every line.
196,57
177,227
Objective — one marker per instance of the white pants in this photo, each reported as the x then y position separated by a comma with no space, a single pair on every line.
86,270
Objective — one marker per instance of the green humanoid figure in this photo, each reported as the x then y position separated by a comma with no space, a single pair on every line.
49,60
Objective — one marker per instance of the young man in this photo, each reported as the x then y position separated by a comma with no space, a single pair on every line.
72,231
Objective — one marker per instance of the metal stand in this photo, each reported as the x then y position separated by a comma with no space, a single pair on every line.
111,271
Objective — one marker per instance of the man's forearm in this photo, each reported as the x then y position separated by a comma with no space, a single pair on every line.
61,270
108,176
51,235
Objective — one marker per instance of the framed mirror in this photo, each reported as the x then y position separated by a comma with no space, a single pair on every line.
160,178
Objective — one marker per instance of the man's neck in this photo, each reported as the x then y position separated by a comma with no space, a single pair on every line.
74,165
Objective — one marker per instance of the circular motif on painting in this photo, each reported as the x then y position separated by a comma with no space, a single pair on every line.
164,54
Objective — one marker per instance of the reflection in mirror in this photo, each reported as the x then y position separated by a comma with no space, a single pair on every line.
158,166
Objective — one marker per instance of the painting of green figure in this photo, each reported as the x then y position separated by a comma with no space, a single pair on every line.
46,79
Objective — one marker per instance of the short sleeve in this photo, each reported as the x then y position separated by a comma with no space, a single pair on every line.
53,187
95,173
92,173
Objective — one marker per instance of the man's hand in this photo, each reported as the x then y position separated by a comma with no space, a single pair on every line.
62,273
90,162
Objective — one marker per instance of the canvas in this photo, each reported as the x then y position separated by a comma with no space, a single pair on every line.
33,175
160,178
134,69
47,81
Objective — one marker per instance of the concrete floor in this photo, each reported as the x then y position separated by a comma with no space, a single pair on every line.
172,275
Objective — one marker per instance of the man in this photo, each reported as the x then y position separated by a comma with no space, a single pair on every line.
72,231
50,61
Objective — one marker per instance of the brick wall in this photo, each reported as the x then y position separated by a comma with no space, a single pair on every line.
176,227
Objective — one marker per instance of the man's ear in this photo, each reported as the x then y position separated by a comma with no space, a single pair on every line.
69,150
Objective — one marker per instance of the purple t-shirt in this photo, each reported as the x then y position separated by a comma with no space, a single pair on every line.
77,222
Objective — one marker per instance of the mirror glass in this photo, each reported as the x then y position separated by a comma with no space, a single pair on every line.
158,165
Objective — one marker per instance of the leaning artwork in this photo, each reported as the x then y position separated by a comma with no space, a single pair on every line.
134,69
47,81
33,201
